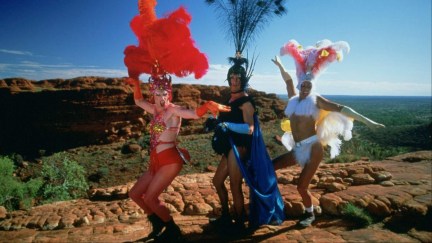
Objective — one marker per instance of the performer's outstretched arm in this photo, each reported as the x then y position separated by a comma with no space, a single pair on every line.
138,97
200,111
347,111
357,116
286,77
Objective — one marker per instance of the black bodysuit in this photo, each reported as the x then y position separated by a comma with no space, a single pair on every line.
236,116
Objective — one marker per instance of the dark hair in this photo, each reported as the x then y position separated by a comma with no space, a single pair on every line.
238,69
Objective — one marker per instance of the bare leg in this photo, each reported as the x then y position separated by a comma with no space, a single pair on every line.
161,180
284,160
219,183
304,180
236,183
308,172
139,189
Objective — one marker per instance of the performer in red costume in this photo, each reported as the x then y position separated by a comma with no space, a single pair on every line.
165,47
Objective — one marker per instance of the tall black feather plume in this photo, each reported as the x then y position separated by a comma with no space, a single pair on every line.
243,19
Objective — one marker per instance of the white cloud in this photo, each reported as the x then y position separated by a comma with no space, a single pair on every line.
216,75
15,52
273,83
37,71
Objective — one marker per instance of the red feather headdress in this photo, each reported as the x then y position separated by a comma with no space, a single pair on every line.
314,59
165,47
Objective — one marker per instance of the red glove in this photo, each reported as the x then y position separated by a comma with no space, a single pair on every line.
213,107
136,87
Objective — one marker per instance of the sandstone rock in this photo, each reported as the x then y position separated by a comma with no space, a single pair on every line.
211,168
381,176
67,221
335,187
357,170
405,207
378,208
285,179
327,179
415,208
422,236
387,183
348,181
3,212
362,179
52,222
294,209
82,221
94,99
373,235
98,219
330,203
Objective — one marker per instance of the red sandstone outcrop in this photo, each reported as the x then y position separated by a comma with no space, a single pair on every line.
398,196
54,115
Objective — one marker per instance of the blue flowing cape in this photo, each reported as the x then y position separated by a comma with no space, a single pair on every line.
266,205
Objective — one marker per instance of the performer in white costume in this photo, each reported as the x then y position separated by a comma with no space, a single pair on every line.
314,122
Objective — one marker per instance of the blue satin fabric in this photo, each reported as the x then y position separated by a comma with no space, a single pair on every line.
266,205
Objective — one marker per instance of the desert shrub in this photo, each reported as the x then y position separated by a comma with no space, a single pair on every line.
64,179
358,215
18,159
15,194
103,171
144,141
343,158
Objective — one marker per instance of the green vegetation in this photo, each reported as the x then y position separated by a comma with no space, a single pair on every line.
14,193
408,122
64,179
60,179
358,215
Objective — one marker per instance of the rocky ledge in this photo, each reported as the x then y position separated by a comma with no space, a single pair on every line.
396,191
55,115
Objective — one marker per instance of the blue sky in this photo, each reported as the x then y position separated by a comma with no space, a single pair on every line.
390,42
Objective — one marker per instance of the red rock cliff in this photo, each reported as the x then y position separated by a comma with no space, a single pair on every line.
57,114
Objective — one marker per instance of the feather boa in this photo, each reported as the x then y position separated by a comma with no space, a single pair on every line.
305,107
330,126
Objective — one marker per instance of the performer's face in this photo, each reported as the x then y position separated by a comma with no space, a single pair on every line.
305,89
235,83
161,97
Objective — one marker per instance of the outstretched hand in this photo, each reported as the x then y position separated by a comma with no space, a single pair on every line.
277,61
375,126
213,107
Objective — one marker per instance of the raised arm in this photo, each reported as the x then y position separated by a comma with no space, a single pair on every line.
138,97
327,105
286,77
199,112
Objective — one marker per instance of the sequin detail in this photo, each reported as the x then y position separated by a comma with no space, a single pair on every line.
157,126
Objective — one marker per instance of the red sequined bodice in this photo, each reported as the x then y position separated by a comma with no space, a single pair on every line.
157,126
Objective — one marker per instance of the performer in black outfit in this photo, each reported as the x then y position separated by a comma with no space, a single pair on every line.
238,139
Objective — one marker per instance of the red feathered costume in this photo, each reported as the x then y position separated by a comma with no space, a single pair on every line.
164,42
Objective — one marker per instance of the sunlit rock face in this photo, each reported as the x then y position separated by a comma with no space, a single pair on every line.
53,115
